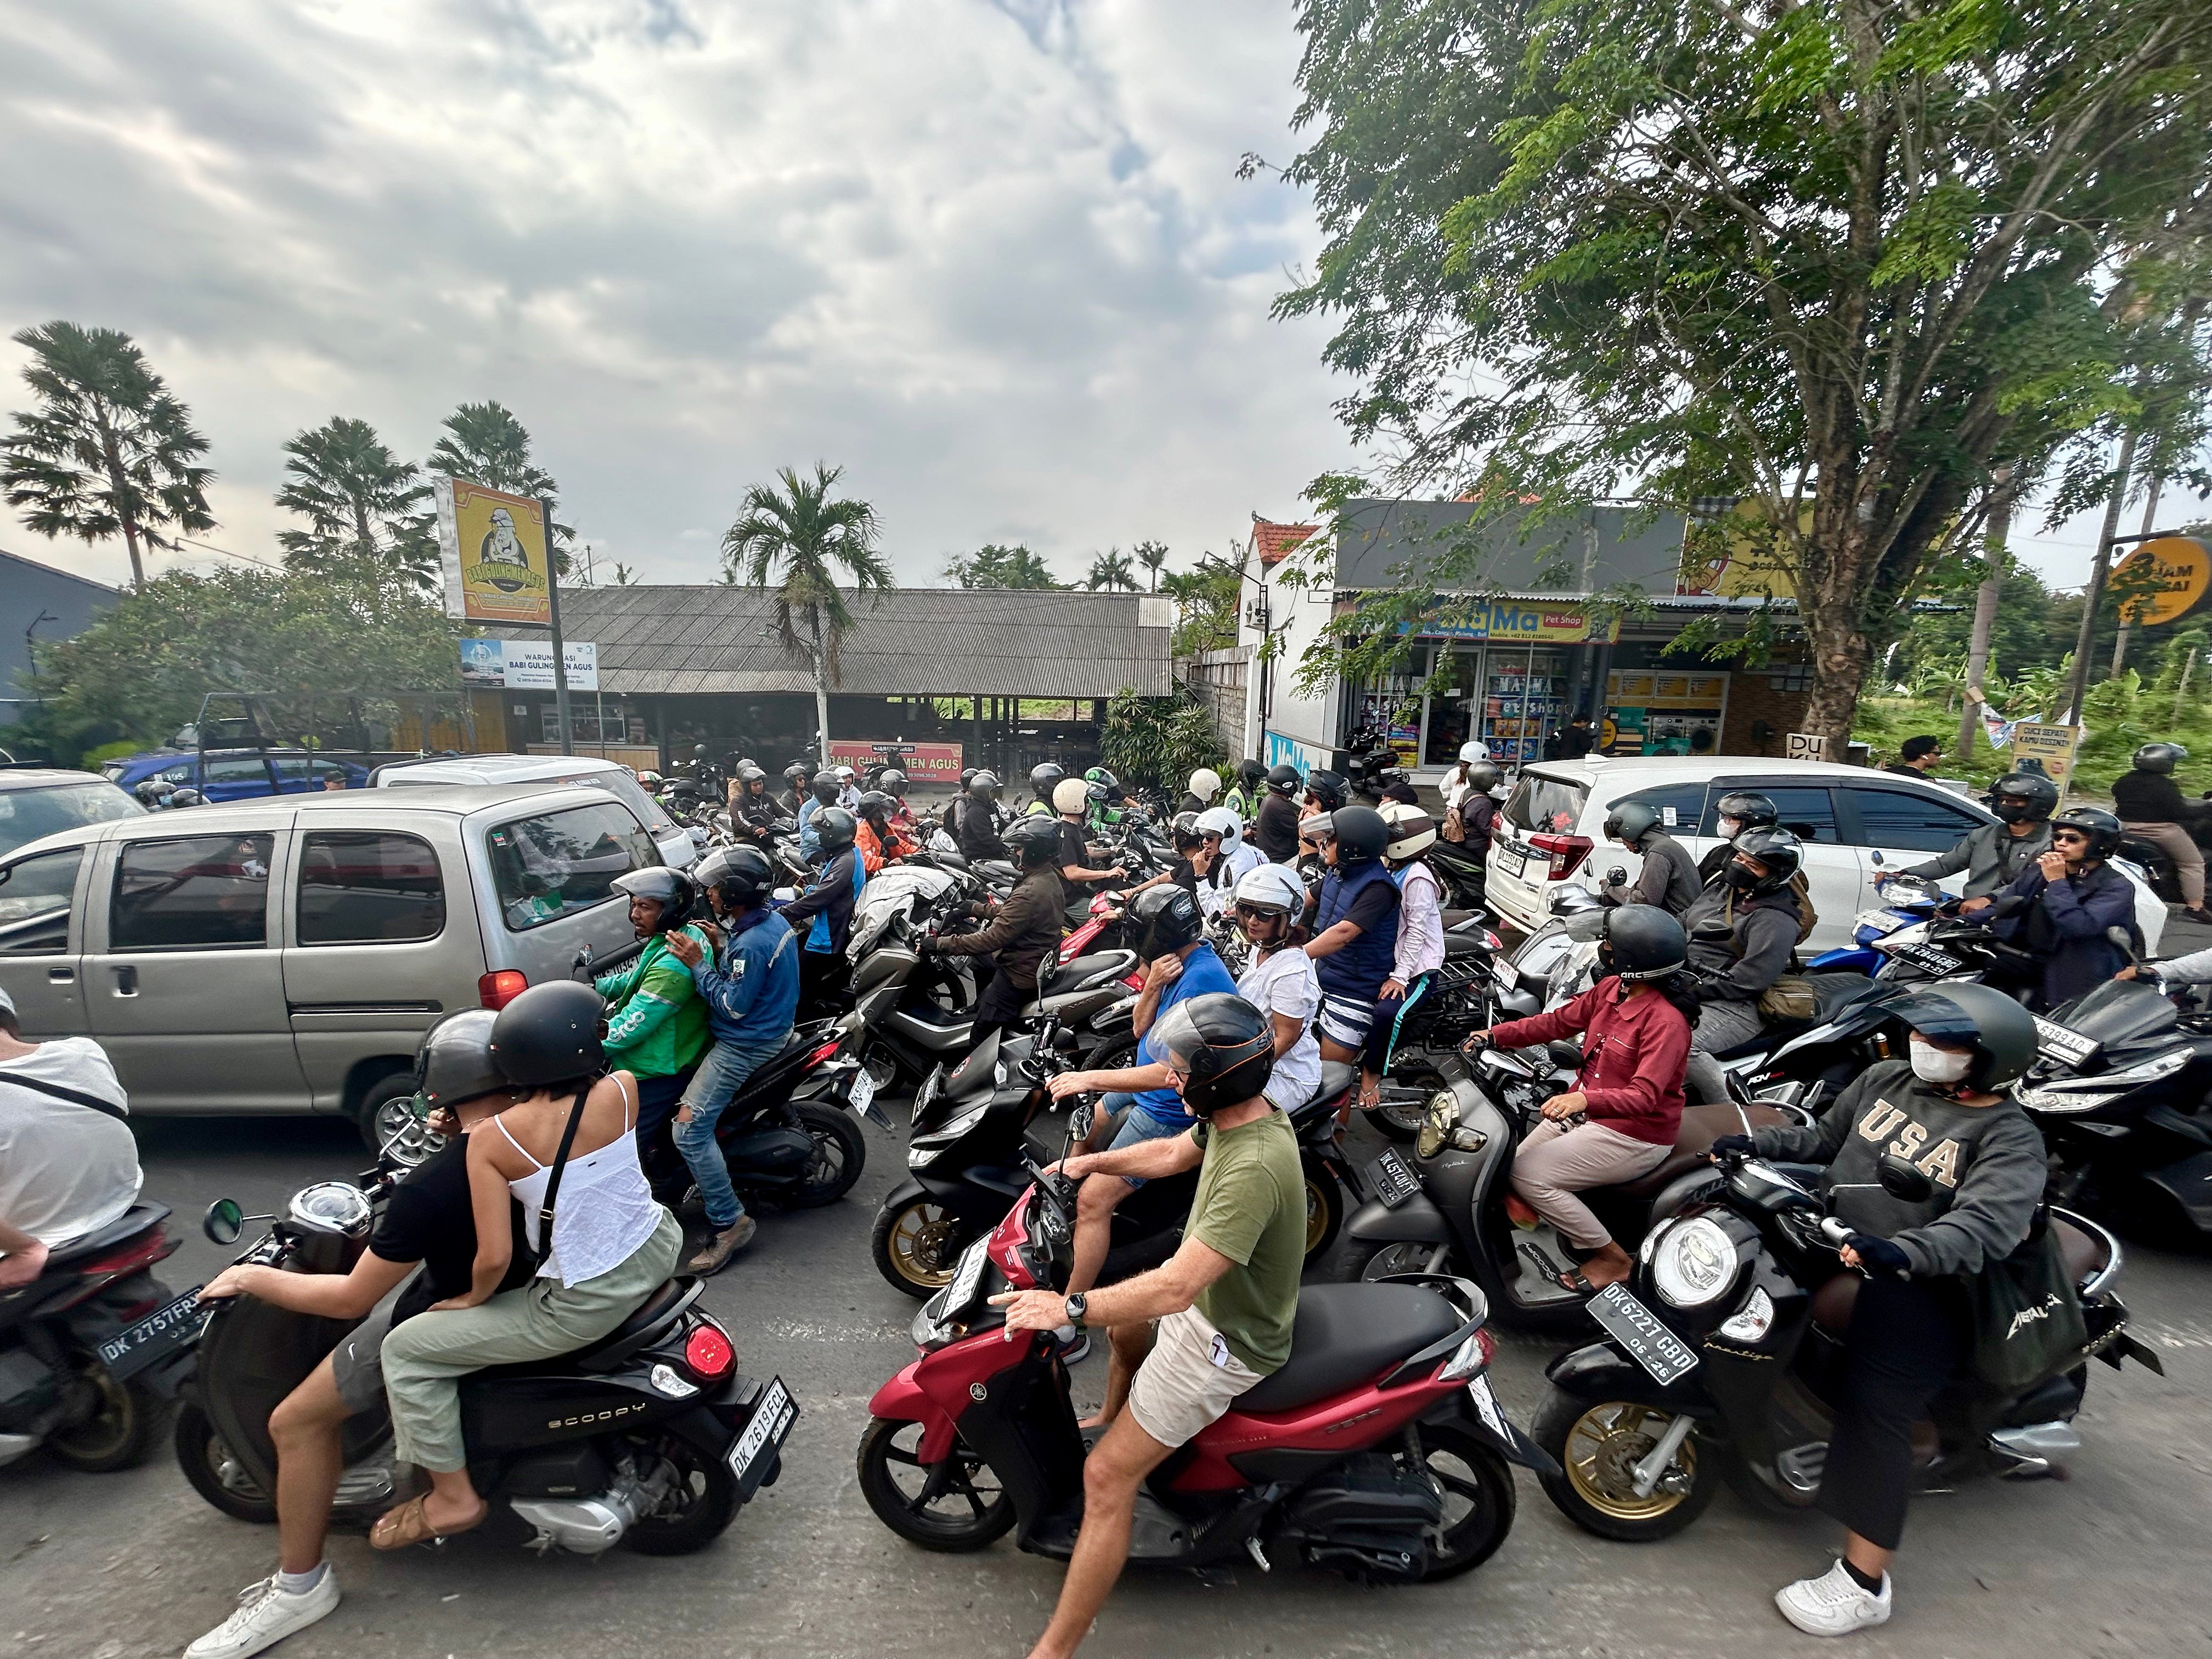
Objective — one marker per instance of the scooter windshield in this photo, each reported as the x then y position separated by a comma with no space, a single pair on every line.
2117,1012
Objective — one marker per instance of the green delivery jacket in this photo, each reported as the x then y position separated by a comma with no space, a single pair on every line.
656,1024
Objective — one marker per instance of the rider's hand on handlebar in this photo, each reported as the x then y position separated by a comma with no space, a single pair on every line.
1475,1041
1731,1146
230,1282
1073,1167
1031,1310
1063,1083
1876,1256
1968,906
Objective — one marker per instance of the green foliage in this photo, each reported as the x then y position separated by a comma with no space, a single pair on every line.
1153,556
1206,606
362,504
994,566
1111,570
796,540
485,444
1159,741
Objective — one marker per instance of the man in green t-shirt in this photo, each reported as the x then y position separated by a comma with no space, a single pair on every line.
656,1024
1191,1335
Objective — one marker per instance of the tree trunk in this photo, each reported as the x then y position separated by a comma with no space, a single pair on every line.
2099,569
1841,651
121,486
2150,518
820,660
1985,609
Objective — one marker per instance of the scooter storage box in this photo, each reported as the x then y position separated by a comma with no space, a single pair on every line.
1369,1503
558,1472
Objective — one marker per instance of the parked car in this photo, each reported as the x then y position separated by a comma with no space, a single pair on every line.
287,956
228,775
36,801
678,849
1857,825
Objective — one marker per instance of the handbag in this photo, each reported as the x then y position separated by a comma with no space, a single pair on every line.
2027,1319
1790,997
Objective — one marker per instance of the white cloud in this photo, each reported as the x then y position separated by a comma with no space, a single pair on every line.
992,257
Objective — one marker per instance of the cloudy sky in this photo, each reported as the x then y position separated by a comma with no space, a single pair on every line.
992,257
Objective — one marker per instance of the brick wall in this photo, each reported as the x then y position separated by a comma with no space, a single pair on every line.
1219,678
1761,696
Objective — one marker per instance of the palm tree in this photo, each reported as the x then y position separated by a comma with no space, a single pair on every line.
1111,570
363,505
109,451
1153,556
485,444
792,539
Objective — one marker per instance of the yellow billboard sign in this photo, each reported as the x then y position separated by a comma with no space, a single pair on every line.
2052,745
493,547
2162,581
1741,556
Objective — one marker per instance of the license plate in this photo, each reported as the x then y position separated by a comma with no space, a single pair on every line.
931,1086
1926,958
1487,1408
765,1433
173,1326
966,1277
1394,1183
1662,1354
861,1097
1511,861
2066,1048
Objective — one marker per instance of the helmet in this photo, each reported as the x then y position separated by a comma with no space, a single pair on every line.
1220,821
1272,887
1750,811
1033,841
891,781
1205,783
671,890
984,786
1223,1047
825,787
1413,831
549,1034
1327,787
1631,821
797,772
1475,749
1360,834
699,751
1777,849
1483,776
1167,919
1642,941
741,875
1043,780
1185,831
2159,756
2102,829
2002,1032
454,1061
1070,795
875,806
186,796
966,773
2023,797
834,828
750,774
153,789
650,779
1250,772
1100,775
1284,780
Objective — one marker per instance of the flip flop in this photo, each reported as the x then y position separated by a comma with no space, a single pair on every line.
400,1528
1371,1098
1574,1281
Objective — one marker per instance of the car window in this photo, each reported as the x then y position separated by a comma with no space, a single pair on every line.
239,769
199,893
369,886
34,903
624,786
1807,812
1546,806
1681,806
26,815
1909,821
558,863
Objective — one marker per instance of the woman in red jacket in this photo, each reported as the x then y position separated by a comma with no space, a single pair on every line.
1622,1120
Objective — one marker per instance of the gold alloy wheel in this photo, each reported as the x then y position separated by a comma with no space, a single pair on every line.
921,1243
1603,1450
1317,1215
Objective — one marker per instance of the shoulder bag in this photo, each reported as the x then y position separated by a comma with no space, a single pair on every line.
2028,1323
73,1096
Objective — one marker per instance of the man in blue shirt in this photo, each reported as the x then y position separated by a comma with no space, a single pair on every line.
824,794
750,988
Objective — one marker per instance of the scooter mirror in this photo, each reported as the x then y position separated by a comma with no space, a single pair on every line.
2125,939
224,1222
1902,1180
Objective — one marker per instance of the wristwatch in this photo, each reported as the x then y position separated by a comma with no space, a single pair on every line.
1078,1305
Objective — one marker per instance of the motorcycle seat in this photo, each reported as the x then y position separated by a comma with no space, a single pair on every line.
138,1219
2084,1254
1464,945
1346,1335
1072,975
1335,1077
644,1326
1833,993
1701,1126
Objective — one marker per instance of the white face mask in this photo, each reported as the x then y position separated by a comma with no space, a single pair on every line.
1728,827
1934,1064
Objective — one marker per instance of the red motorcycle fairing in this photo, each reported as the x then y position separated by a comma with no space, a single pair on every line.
938,1387
1341,1423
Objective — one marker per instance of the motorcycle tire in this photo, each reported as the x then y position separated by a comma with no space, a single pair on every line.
983,1523
1324,1207
700,1518
920,1274
1582,1488
201,1455
1399,1122
840,1153
128,1423
1477,1475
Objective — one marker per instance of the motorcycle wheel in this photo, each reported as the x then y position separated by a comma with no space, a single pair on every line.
215,1476
1478,1500
1324,1208
955,1506
127,1419
696,1513
1597,1448
917,1246
840,1154
1405,1103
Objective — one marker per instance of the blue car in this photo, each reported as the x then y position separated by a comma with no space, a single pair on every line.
235,774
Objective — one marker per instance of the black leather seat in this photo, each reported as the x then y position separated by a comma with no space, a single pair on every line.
1463,944
1347,1335
1070,975
127,1226
1833,993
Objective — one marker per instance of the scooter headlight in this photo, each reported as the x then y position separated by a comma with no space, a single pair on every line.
1443,1115
1693,1263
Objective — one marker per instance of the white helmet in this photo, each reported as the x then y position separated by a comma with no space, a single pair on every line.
1273,887
1220,821
1070,795
1473,750
1412,830
1205,783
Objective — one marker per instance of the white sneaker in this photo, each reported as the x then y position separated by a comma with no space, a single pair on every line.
265,1616
1833,1604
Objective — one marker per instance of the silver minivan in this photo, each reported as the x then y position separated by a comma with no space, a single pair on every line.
287,955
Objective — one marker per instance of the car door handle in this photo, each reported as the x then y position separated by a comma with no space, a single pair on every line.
127,981
61,975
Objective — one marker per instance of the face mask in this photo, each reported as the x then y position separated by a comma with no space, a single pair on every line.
1743,877
1729,828
1934,1064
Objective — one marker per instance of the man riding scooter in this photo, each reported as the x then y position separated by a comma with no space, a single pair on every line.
1743,930
656,1024
1021,935
1995,855
1668,880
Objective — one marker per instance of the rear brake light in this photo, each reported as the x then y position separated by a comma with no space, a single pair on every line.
497,990
709,1353
1566,853
1488,1345
823,1053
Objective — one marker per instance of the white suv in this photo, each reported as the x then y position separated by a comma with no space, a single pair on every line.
1857,824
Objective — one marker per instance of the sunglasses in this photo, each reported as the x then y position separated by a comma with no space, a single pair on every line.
1254,913
2069,838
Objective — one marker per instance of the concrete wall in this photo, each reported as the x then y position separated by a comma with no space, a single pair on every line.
1219,678
29,590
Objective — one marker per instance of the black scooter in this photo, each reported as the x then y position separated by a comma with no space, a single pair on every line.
650,1435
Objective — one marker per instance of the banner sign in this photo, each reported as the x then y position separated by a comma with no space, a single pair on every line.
1505,622
493,548
1806,746
1289,751
922,762
527,664
2162,581
2053,746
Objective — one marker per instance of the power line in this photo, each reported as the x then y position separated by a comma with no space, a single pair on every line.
227,554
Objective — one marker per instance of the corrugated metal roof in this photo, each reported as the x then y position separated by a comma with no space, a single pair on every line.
905,641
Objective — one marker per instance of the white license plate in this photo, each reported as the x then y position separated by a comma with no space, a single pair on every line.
2068,1048
861,1097
764,1432
1487,1408
965,1280
1512,861
931,1086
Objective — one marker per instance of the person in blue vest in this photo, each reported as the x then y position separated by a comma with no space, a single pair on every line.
823,792
1355,942
822,914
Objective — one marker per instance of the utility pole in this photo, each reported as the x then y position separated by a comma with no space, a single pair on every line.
2098,571
2150,518
1985,607
560,649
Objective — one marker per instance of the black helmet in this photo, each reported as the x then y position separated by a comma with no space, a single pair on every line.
1327,787
984,786
186,796
1284,780
1780,851
1185,831
1483,776
834,828
1167,919
2102,829
891,781
2023,797
1033,841
875,806
150,790
1751,809
1251,772
671,890
2159,756
1631,821
549,1034
2002,1032
1222,1046
699,749
454,1061
1044,779
797,772
1642,941
825,787
750,774
741,875
1359,833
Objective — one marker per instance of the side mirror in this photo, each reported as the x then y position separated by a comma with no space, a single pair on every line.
2125,939
224,1222
1901,1181
1568,1056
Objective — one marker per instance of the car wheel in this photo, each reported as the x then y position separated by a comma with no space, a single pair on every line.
388,1124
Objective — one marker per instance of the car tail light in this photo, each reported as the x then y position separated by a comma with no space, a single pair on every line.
497,990
709,1353
1566,853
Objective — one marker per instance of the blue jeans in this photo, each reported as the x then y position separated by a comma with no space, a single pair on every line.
1139,1125
721,1074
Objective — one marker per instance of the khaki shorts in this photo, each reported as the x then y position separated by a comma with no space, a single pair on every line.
1188,1379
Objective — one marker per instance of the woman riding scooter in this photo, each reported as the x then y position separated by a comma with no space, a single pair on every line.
1739,811
1419,948
1743,930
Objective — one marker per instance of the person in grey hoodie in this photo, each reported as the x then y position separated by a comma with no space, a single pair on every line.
1744,929
1668,880
1944,1111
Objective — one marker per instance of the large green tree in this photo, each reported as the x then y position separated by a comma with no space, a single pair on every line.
109,451
796,539
486,444
1111,570
995,566
362,504
1848,260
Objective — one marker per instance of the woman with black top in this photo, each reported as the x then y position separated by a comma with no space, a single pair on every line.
2150,804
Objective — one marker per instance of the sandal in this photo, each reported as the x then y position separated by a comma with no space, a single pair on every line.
399,1528
1370,1099
1573,1280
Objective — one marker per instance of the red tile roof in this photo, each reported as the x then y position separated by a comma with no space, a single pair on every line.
1273,542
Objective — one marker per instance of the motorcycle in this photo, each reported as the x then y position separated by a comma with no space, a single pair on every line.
1723,1357
1459,997
650,1435
1377,1450
85,1369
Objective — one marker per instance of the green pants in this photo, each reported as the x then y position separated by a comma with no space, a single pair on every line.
425,1358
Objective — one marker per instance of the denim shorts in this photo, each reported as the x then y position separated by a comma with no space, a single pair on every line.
1139,1126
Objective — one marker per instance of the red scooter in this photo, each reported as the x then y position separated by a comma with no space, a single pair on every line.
1377,1449
1092,936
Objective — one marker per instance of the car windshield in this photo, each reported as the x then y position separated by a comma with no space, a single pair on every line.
1546,806
27,814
